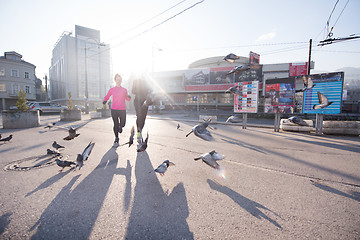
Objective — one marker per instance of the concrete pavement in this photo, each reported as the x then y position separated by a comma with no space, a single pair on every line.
277,185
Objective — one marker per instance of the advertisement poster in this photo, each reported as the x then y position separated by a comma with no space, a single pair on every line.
279,95
197,76
218,75
208,79
247,101
298,69
253,74
325,95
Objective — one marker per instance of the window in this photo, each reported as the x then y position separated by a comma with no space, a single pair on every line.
27,89
15,89
2,72
14,73
2,87
27,75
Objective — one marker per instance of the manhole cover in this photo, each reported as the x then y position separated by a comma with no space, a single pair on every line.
34,162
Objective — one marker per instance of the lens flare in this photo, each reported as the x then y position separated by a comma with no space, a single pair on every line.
221,173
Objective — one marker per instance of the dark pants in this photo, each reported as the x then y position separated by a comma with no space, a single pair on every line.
141,112
118,125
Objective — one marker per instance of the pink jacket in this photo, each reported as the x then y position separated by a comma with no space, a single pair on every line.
119,95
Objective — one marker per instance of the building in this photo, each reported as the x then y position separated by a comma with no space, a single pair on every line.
80,64
15,74
203,84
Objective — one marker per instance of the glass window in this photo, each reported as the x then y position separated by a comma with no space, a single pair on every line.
27,75
14,73
15,89
2,87
2,72
27,89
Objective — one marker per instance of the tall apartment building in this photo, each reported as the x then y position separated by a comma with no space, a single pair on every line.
80,64
15,74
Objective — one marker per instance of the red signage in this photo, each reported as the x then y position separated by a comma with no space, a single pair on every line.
298,69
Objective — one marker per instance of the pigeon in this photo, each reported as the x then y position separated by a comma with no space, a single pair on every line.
50,125
308,84
234,119
52,152
63,164
7,139
239,69
234,90
178,126
143,145
131,139
201,131
84,156
211,158
57,146
163,167
323,100
297,120
231,58
72,132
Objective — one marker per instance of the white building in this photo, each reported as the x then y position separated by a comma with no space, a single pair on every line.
15,74
80,64
203,84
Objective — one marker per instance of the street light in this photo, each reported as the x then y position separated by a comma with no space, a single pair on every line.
86,77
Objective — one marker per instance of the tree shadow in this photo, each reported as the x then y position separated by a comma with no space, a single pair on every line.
49,182
73,213
250,206
355,195
155,214
4,222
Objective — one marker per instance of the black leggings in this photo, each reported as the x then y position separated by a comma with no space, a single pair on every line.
116,115
141,112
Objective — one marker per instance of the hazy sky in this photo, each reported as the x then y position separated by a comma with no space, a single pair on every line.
278,30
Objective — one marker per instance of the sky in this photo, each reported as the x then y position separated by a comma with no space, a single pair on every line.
186,31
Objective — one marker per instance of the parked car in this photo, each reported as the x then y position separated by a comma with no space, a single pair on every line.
80,107
45,107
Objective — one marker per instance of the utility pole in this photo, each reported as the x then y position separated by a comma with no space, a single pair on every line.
308,67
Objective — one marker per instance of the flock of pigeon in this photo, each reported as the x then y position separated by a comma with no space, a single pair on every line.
72,134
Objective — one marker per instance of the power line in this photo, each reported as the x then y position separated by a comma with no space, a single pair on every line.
153,27
157,15
330,34
328,21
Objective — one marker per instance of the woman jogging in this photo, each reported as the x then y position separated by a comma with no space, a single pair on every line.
141,90
118,106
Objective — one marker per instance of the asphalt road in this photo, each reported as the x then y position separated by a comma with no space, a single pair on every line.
282,185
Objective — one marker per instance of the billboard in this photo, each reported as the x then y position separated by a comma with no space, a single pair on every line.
218,75
254,58
253,74
298,69
325,95
247,101
197,76
208,79
279,95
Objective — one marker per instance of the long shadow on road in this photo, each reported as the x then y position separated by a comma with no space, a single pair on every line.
73,213
156,215
250,206
288,157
